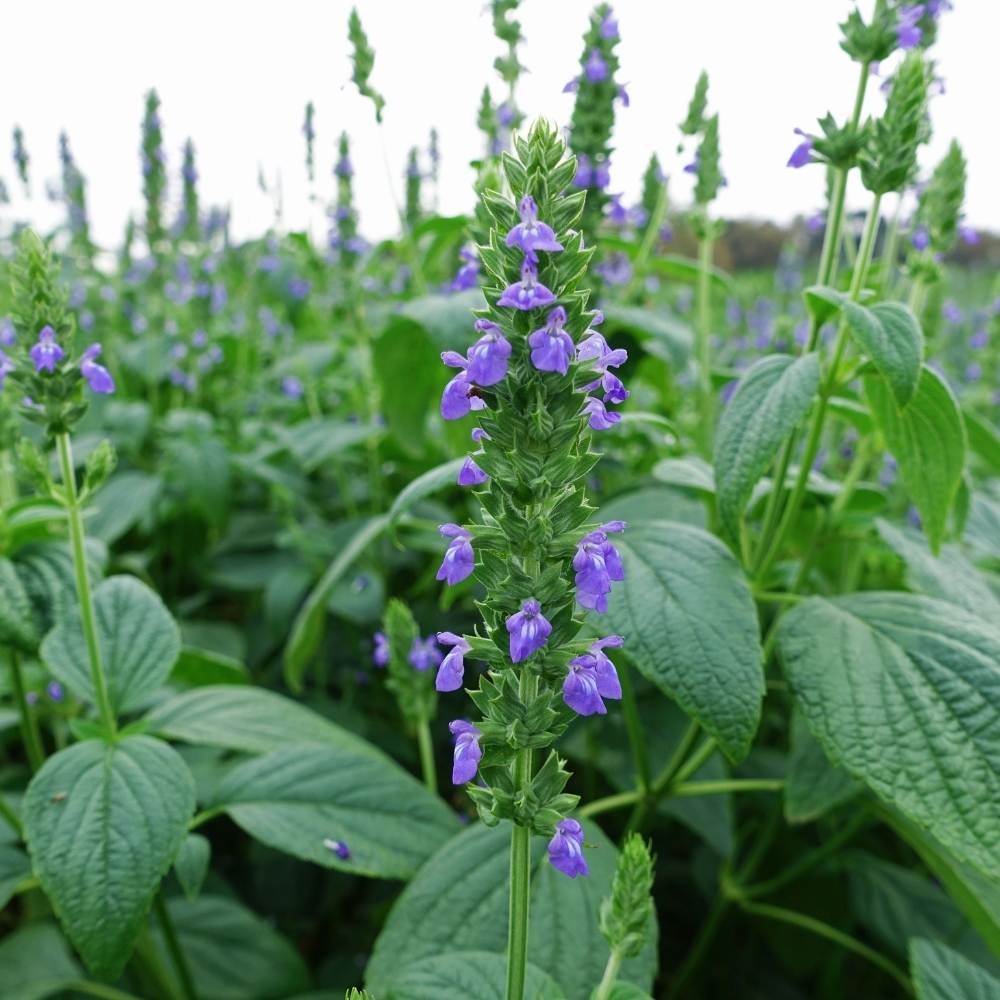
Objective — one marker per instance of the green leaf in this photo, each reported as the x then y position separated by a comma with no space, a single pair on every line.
948,576
822,302
890,335
139,643
928,441
458,902
200,667
690,472
690,626
896,904
663,336
46,569
464,974
307,632
942,974
35,962
191,864
245,719
121,504
447,319
232,953
686,269
302,797
14,866
772,397
813,786
316,442
17,620
984,439
903,691
103,823
424,485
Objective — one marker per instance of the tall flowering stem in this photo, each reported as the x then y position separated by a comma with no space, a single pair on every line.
539,379
190,214
154,171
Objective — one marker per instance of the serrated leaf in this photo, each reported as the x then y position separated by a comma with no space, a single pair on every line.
17,620
302,797
903,691
890,335
245,719
232,953
458,902
690,626
773,395
813,786
942,974
463,974
103,823
928,441
191,864
139,643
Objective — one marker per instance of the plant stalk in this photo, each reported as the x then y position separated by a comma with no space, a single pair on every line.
174,947
427,755
29,723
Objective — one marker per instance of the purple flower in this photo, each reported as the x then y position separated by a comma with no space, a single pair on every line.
802,154
459,559
584,175
7,335
292,387
452,669
343,167
98,377
908,33
951,312
526,293
424,653
602,175
338,847
566,849
973,372
609,27
597,564
920,238
530,234
470,474
969,236
460,396
572,87
623,96
551,346
6,367
380,655
600,418
468,753
529,630
617,212
591,678
979,339
616,269
595,68
55,691
468,273
46,353
488,356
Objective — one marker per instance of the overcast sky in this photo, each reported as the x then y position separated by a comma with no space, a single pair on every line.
235,77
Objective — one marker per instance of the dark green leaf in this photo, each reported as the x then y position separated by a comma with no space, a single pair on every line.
942,974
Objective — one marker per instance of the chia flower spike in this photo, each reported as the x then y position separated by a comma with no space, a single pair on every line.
488,355
528,293
529,630
552,347
46,353
530,234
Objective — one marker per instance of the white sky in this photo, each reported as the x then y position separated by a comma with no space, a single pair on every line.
235,76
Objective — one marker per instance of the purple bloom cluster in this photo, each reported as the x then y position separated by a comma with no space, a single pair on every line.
591,175
46,353
452,669
566,849
529,630
98,377
908,31
802,154
596,349
459,559
468,274
6,367
468,753
380,655
424,653
592,677
597,564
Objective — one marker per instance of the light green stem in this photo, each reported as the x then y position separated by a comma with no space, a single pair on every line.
610,975
78,544
691,789
8,484
648,241
427,755
693,763
29,724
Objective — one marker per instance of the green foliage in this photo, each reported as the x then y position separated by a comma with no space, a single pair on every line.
627,914
940,974
363,59
413,689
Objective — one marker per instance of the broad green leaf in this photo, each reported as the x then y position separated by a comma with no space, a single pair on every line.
685,269
316,442
822,302
928,441
690,471
458,902
46,569
813,786
200,667
17,618
35,962
191,864
424,485
772,397
903,691
690,626
232,953
984,439
461,975
301,798
121,503
307,632
447,319
32,520
656,503
896,904
982,529
949,575
246,719
942,974
411,376
890,335
14,866
665,337
139,643
103,823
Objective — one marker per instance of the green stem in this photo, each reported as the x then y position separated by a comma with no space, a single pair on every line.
204,816
609,803
10,817
690,789
633,726
610,975
92,989
29,724
8,483
824,930
427,755
174,947
692,764
649,239
87,616
889,253
648,801
702,346
520,868
696,953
